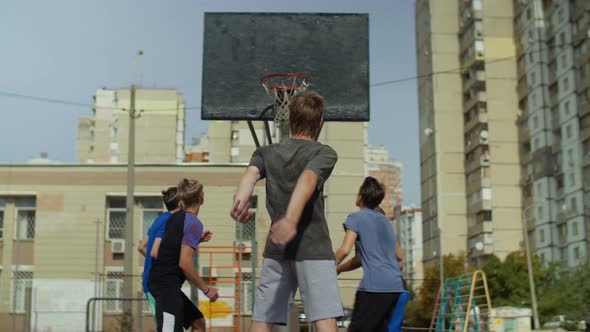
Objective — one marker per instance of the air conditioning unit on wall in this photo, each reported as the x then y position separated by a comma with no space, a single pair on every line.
244,247
118,246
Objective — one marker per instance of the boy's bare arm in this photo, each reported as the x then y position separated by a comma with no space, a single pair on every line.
346,246
155,248
352,264
285,228
143,246
240,210
191,274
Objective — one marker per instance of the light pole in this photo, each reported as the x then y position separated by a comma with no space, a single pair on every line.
130,261
530,266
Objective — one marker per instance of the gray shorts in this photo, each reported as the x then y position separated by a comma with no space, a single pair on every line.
279,280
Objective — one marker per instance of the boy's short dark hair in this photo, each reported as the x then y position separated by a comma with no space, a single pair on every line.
371,192
191,192
305,113
171,198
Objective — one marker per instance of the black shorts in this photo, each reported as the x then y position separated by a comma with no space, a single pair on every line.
175,312
372,311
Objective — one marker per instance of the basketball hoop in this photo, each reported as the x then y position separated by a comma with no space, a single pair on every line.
283,87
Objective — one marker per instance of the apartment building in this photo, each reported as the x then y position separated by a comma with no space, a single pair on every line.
408,225
380,166
159,129
553,80
62,229
468,110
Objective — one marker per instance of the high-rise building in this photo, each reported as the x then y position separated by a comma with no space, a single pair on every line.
468,109
388,172
553,79
408,224
159,131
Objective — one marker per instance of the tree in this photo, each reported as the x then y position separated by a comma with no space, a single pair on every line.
508,281
419,311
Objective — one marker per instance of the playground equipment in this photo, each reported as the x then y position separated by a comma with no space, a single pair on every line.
463,304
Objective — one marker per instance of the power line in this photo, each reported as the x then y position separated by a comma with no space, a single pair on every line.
393,81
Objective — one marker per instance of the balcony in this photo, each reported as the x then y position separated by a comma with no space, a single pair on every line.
549,30
471,57
552,76
474,142
474,98
521,69
585,133
523,89
525,133
480,117
526,158
484,160
530,224
553,99
561,241
474,79
480,228
519,50
561,218
469,36
580,36
473,164
481,205
556,146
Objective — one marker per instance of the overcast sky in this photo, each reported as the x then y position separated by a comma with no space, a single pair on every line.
67,49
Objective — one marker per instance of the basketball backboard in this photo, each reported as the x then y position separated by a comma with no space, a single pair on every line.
332,50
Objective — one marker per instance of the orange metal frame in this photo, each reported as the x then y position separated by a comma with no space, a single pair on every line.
237,252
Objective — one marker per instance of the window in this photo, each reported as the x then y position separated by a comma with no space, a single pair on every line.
151,208
531,57
565,84
542,235
25,218
246,292
540,212
560,15
568,131
575,229
534,99
533,78
535,122
116,215
2,206
564,61
22,283
576,252
573,204
570,156
528,13
566,107
114,288
247,231
572,180
561,39
114,132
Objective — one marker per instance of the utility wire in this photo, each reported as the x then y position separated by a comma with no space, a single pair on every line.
394,81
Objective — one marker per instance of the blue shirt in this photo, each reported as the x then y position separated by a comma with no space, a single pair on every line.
376,243
156,230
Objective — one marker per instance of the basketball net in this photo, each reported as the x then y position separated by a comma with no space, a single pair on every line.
283,87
